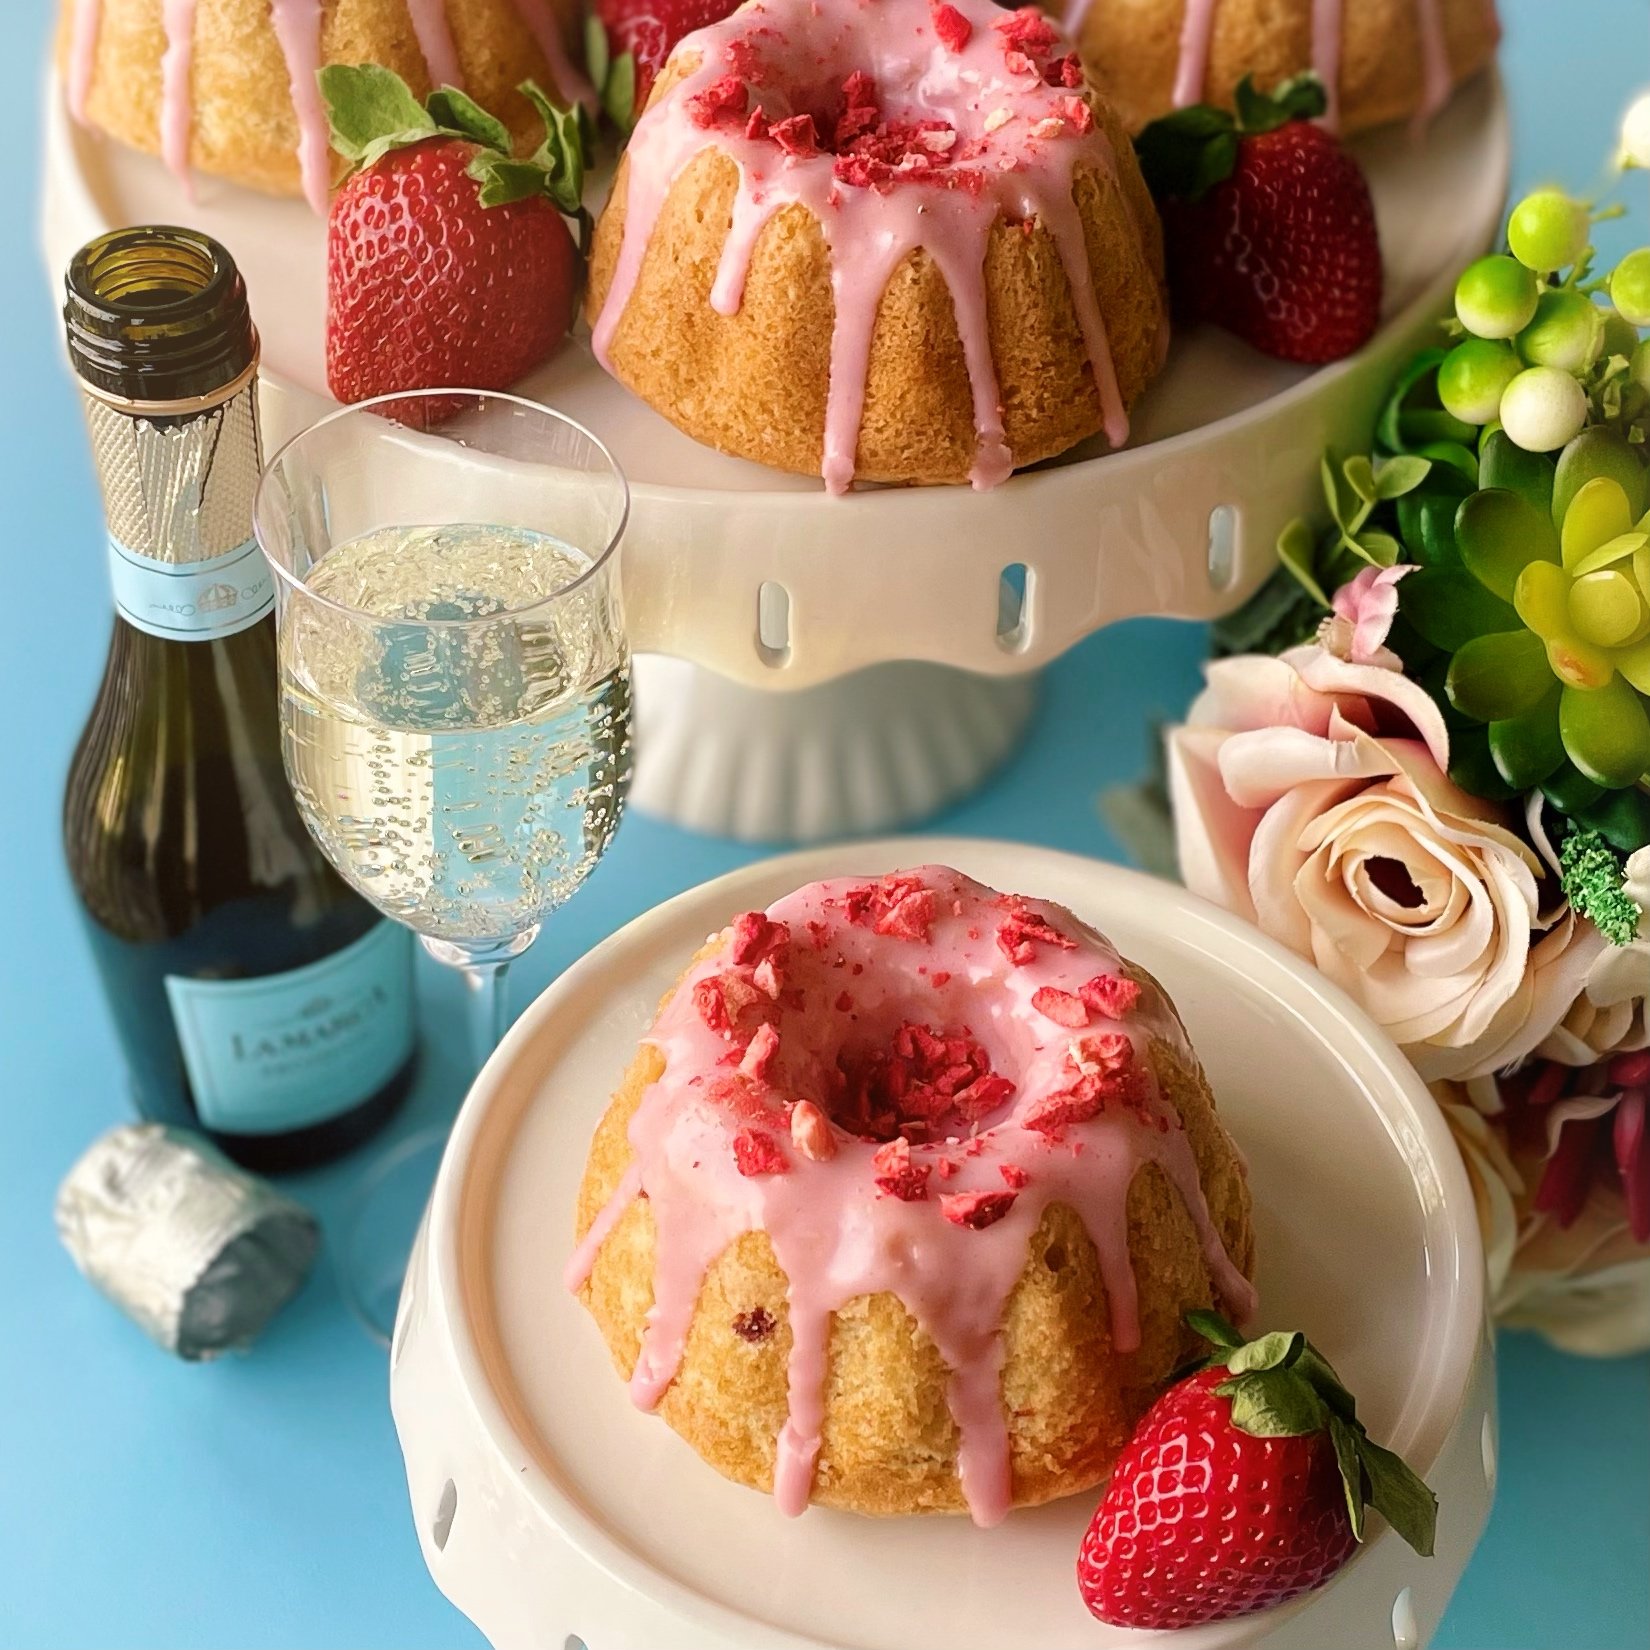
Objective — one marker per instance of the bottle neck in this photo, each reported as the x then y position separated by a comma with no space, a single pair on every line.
177,493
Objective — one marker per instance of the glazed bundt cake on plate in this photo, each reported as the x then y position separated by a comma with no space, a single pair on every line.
228,86
880,239
1379,60
903,1198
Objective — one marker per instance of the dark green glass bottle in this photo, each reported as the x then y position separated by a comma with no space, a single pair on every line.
257,998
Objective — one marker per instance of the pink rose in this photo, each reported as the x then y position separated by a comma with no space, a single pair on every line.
1311,796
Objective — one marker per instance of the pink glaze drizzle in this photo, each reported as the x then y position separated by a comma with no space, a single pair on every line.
83,54
176,104
1195,31
297,26
1326,55
1436,78
835,1233
791,50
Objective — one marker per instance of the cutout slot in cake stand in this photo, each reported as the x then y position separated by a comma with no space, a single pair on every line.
815,666
553,1513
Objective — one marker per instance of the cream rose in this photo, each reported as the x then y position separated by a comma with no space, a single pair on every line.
1311,796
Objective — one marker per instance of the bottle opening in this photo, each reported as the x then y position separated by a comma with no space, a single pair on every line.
157,314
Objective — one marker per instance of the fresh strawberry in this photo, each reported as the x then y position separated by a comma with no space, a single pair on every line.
1269,226
449,261
627,41
1244,1485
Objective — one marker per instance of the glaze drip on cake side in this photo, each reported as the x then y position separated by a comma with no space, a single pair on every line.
901,127
894,1080
297,26
1197,31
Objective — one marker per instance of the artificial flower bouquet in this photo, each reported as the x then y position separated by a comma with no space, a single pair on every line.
1422,758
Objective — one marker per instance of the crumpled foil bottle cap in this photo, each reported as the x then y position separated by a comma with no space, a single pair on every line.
198,1253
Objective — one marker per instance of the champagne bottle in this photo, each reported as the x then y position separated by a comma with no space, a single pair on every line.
257,998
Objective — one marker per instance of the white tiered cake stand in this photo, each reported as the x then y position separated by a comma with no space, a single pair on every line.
555,1515
814,666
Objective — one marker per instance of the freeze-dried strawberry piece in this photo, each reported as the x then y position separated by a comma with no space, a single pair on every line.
975,1210
753,934
811,1132
765,977
945,1168
896,1174
760,1053
1064,1008
756,128
1065,71
1026,28
796,135
983,1097
738,1099
711,1002
1022,930
940,978
1113,995
911,918
724,99
844,1003
1078,112
1013,1175
757,1152
953,29
755,1325
1018,63
1102,1052
1055,1113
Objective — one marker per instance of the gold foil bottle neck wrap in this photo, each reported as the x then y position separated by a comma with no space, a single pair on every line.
178,489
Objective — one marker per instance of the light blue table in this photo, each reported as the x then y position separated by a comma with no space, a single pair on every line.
260,1502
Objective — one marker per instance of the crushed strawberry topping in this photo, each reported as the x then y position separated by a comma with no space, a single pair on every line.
1103,1074
723,100
976,1210
725,1001
811,1132
924,1083
1022,930
1077,111
796,136
756,1152
754,936
1113,995
760,1053
1013,1175
953,29
1064,71
896,1174
900,907
1027,29
1064,1008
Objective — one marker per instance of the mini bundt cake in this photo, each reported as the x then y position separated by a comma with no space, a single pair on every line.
1379,60
880,238
228,86
903,1199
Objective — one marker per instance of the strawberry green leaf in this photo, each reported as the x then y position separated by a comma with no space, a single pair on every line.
370,110
1274,1403
1301,97
1184,155
1213,1328
563,153
454,111
598,55
619,92
1278,1350
504,179
1345,1440
1399,1496
1327,1384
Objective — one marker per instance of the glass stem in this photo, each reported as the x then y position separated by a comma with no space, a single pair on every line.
489,1013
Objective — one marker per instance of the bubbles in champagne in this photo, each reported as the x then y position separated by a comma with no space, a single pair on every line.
458,742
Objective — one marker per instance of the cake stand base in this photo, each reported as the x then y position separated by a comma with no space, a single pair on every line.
877,750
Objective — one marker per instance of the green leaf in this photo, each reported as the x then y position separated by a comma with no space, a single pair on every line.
1297,550
1345,1440
597,52
1472,767
1622,546
1499,534
1278,1350
370,110
1528,748
1500,675
1401,474
619,92
1185,154
1301,97
1274,1403
1213,1328
1457,456
1399,1496
564,151
1413,399
1606,733
1503,463
1381,548
1621,817
503,179
1449,608
1426,518
1569,790
453,111
1598,451
1360,477
1317,1369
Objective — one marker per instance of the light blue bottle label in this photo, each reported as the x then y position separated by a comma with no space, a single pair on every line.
192,601
287,1050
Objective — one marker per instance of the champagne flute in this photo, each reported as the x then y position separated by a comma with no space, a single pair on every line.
454,669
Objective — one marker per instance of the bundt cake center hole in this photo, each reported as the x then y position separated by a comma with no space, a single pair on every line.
924,1083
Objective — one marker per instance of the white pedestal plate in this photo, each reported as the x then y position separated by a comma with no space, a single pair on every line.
554,1514
852,663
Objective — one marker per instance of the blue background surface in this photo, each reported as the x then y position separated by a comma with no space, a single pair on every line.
260,1502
